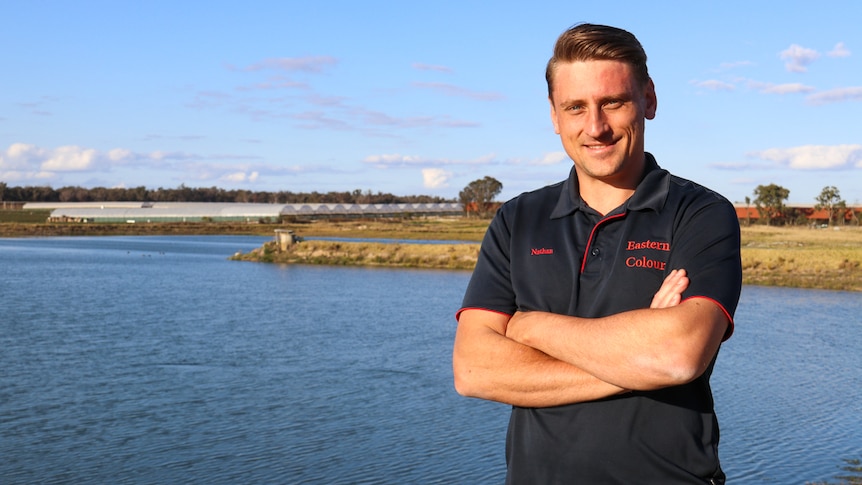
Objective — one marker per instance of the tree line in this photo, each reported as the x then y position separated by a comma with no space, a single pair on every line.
477,198
769,202
208,194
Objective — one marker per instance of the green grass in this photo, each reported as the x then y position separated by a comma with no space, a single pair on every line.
24,216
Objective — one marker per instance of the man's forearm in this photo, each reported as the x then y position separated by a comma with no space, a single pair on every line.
488,365
641,349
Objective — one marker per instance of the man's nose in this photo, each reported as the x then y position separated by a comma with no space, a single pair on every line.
597,123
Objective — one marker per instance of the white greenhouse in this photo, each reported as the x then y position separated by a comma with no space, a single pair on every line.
143,212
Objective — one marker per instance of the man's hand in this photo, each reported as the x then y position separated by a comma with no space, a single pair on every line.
670,293
671,343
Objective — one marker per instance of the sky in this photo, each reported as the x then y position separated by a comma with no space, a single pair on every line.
414,98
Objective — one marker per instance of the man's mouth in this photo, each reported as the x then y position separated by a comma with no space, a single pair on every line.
599,147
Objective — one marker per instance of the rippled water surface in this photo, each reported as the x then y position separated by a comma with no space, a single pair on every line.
157,360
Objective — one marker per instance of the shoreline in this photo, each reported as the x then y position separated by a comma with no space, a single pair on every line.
795,257
775,271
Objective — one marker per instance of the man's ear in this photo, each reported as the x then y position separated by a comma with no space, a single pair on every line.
651,100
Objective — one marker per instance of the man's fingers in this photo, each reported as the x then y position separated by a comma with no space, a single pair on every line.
670,293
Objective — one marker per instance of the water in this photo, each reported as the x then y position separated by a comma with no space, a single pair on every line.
788,386
157,360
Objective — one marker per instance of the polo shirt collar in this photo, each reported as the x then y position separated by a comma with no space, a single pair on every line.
651,192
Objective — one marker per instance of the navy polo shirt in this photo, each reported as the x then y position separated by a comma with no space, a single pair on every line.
547,250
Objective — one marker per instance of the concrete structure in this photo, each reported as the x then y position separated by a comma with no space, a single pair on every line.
286,238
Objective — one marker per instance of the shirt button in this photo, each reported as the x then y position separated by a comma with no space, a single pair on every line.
595,252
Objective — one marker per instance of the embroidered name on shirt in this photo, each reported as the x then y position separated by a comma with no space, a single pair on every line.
660,246
539,252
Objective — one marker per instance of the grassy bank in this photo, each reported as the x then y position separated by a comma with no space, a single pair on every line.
437,256
790,257
803,258
772,256
31,224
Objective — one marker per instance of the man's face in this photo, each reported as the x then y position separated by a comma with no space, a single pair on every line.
598,108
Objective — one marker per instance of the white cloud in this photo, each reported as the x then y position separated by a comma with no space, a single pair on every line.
731,165
435,178
70,159
430,67
21,150
26,177
274,83
159,155
814,157
398,160
305,64
457,91
119,154
20,156
483,160
237,177
393,159
836,95
714,85
790,88
29,164
734,65
798,58
552,158
840,50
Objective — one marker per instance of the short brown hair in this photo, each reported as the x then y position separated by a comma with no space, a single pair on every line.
590,42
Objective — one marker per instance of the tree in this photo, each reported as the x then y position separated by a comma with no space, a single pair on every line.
478,195
829,199
769,200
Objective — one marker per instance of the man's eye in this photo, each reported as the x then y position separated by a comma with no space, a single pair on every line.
613,104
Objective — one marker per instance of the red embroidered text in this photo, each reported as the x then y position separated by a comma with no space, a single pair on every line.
660,246
643,262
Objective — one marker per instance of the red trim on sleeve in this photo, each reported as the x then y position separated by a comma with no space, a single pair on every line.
730,324
458,313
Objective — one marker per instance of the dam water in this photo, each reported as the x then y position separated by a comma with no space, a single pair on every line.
157,360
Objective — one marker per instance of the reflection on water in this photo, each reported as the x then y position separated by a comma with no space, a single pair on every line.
154,359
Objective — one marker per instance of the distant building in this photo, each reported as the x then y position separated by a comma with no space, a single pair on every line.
142,212
848,215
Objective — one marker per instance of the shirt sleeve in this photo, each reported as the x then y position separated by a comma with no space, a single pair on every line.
490,286
707,246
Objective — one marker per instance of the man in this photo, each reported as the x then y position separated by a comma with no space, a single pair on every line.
598,305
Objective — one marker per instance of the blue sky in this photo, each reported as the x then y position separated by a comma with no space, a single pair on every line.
414,97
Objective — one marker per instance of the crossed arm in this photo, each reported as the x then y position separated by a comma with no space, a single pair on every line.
539,359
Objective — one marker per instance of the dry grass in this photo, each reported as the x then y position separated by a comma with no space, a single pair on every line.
438,228
773,256
792,257
440,256
802,257
431,228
